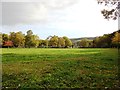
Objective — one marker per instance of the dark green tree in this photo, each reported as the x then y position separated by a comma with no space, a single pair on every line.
5,37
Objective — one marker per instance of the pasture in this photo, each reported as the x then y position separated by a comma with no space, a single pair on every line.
59,68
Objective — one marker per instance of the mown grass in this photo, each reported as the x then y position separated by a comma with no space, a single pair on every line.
59,68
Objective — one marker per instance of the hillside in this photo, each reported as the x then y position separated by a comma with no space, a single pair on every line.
74,40
78,39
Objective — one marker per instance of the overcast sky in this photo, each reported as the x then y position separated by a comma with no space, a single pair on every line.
72,18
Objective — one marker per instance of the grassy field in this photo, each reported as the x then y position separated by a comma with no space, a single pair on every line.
59,68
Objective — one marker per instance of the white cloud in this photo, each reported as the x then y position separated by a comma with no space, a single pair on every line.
22,13
30,12
72,18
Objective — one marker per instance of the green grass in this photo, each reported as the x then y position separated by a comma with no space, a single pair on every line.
59,68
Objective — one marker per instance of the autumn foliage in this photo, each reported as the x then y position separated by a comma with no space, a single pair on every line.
8,43
18,39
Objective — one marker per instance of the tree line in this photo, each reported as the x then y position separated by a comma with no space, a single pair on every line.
20,40
106,41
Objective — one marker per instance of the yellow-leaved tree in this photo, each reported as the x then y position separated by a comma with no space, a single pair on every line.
116,39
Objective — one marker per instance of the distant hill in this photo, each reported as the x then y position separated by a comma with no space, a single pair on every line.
74,40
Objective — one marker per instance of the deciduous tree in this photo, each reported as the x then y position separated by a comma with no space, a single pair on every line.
61,42
53,42
114,13
18,39
5,37
84,43
68,42
12,38
31,40
116,39
1,40
43,43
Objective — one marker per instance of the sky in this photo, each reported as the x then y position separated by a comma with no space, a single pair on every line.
71,18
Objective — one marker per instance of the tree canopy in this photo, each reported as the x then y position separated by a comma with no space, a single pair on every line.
18,39
114,13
